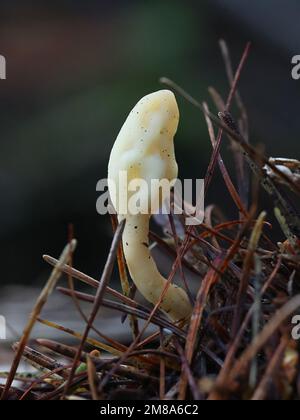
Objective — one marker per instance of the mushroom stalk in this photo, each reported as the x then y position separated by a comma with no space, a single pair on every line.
144,271
144,150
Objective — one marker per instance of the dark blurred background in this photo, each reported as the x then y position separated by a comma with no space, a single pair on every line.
75,69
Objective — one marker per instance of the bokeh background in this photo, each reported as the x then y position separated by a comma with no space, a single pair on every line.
75,69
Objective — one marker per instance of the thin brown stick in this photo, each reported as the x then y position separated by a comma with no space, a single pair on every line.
188,373
124,278
98,299
231,188
162,370
194,325
262,389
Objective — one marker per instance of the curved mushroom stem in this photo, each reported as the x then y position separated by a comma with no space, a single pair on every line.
144,149
144,272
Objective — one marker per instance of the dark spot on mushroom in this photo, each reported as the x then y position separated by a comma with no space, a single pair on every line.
127,244
135,227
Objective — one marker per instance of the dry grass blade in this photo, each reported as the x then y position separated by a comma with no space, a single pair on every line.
248,266
242,171
92,377
91,341
40,361
42,299
194,325
59,348
93,282
161,322
225,174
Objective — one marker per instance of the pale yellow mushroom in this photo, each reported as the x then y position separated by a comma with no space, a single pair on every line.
144,149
